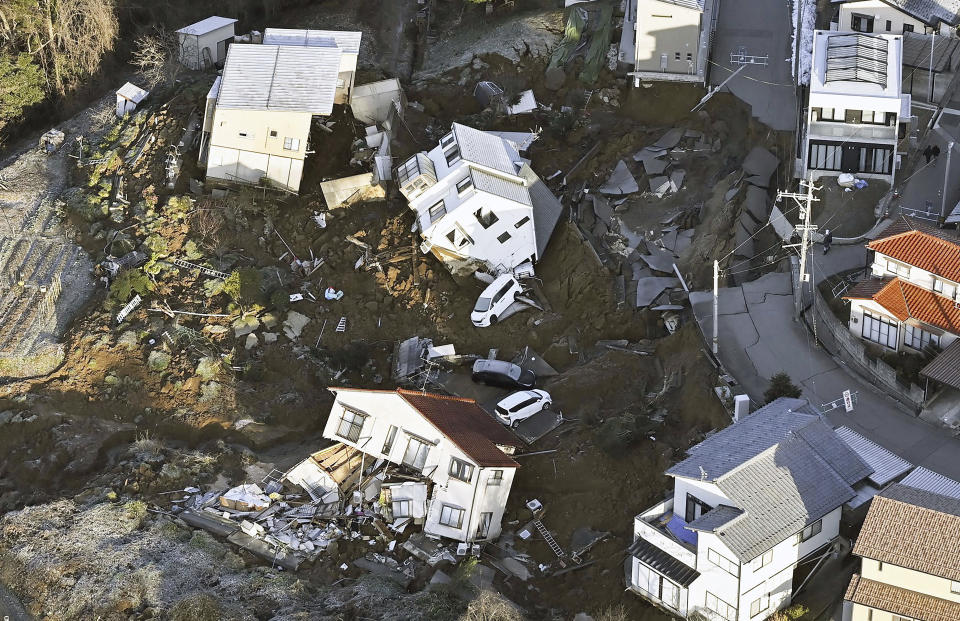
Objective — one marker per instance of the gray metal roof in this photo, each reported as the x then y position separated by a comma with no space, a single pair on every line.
781,491
498,186
832,449
715,518
273,77
916,51
347,41
922,478
945,367
930,11
663,563
745,439
886,466
485,149
923,498
207,25
546,209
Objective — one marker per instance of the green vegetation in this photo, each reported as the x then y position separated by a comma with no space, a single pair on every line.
197,607
781,386
21,86
128,283
243,286
793,613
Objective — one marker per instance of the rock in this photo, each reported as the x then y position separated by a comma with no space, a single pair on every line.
6,417
269,337
251,342
216,329
294,324
555,78
209,392
158,361
245,325
270,320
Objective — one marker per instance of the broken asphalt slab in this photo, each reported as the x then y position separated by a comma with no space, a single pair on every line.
648,289
620,182
761,163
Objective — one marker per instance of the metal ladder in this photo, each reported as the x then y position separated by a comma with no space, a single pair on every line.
342,326
550,540
194,266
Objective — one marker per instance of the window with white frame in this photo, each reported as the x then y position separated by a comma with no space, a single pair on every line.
483,528
723,563
918,338
437,211
388,442
451,516
876,160
464,184
451,150
496,477
825,156
879,330
402,508
945,288
901,617
461,470
459,237
720,607
351,424
486,217
827,114
763,560
416,454
897,268
810,531
291,144
955,586
521,222
760,604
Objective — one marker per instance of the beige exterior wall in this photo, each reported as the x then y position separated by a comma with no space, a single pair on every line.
860,612
667,29
881,13
908,579
228,125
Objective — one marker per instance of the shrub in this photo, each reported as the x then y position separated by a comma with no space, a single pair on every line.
243,285
490,606
127,283
781,386
197,607
793,613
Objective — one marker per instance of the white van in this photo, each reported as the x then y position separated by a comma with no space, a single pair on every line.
495,299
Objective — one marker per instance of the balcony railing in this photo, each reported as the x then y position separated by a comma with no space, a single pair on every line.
651,526
852,131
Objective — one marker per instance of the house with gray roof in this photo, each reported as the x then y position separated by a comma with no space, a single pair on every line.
668,40
749,504
478,203
900,16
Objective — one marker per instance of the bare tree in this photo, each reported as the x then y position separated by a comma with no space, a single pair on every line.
157,56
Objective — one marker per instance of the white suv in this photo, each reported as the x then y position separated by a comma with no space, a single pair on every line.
495,299
522,405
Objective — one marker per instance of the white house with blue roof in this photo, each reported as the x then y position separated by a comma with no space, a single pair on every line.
749,504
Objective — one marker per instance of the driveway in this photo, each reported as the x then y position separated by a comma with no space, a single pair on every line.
759,337
758,28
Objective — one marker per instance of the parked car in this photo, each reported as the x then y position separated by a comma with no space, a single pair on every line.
504,374
522,405
495,299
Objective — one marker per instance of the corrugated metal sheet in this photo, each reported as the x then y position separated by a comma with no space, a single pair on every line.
498,186
886,466
485,149
347,41
663,563
922,478
827,444
207,25
945,368
272,77
546,209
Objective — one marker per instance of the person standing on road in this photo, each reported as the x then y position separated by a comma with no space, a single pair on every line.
827,240
936,152
928,153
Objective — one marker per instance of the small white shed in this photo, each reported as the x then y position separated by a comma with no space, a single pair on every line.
204,44
129,97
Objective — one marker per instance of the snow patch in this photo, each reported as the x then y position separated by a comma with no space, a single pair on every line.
805,36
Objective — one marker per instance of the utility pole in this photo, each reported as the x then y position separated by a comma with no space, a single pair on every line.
805,202
946,179
716,304
933,37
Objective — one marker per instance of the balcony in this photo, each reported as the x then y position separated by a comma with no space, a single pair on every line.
659,526
852,131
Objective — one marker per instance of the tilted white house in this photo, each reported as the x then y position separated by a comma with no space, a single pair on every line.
452,444
262,108
900,16
910,303
478,203
204,44
749,504
668,39
346,41
129,97
856,105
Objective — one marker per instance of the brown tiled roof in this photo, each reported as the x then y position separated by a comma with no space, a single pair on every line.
924,247
467,425
913,528
900,601
905,300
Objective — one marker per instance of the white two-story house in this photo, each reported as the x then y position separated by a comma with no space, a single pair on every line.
749,504
668,40
855,105
462,453
478,203
910,302
910,559
900,16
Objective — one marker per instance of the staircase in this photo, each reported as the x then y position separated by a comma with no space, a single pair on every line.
203,270
342,326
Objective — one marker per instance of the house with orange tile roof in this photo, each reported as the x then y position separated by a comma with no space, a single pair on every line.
450,447
910,301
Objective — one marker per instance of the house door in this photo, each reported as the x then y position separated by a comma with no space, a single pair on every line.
483,528
221,51
663,62
850,160
695,508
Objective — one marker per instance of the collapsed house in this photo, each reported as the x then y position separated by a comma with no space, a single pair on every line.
478,203
443,461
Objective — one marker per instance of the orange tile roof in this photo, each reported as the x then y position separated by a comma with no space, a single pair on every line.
938,253
900,601
905,300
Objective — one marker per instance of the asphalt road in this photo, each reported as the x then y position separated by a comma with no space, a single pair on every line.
10,607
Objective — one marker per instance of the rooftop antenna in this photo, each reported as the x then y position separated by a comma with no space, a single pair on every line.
703,473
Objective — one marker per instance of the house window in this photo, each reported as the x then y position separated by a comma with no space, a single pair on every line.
879,565
689,56
825,156
879,330
451,150
676,55
827,114
861,23
458,237
955,586
521,222
461,470
437,211
919,339
340,83
853,116
447,140
759,605
889,25
901,618
416,454
483,528
876,160
351,423
720,607
388,443
486,218
763,560
246,134
899,269
810,531
273,133
908,27
496,477
503,237
402,508
945,287
451,516
291,144
695,508
723,563
464,184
